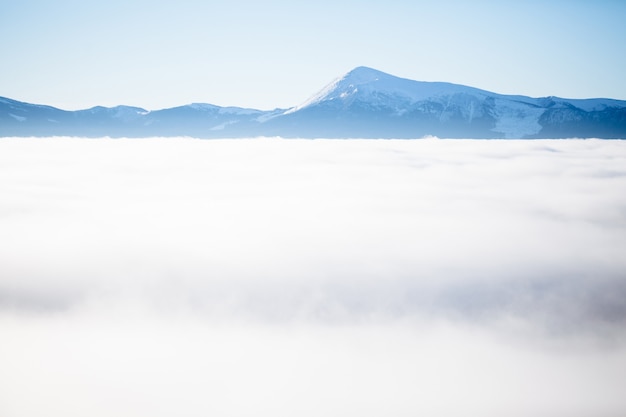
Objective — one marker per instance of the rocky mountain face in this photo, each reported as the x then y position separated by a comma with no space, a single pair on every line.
364,103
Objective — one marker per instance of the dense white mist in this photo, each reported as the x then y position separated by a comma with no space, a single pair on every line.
312,277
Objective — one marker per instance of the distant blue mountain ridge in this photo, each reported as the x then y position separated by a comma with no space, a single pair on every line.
364,103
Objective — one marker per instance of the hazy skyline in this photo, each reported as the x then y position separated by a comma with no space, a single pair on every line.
74,55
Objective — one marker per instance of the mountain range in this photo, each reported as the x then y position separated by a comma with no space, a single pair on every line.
364,103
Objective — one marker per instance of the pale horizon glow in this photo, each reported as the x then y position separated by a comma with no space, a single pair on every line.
276,54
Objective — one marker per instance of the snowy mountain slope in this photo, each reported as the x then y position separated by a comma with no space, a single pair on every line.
197,119
380,103
381,89
363,103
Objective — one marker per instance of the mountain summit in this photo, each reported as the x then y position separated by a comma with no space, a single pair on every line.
369,103
363,103
378,88
360,82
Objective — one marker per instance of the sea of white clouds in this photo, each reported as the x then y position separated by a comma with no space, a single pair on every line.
273,277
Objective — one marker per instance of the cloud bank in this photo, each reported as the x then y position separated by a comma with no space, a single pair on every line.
281,277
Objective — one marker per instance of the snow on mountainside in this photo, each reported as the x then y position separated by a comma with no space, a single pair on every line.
363,103
411,107
125,113
378,88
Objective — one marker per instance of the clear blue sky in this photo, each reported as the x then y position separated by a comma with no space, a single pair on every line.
267,54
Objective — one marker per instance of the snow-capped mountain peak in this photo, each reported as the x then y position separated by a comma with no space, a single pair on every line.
365,75
364,79
364,103
379,89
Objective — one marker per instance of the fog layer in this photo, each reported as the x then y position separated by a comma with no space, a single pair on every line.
307,277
